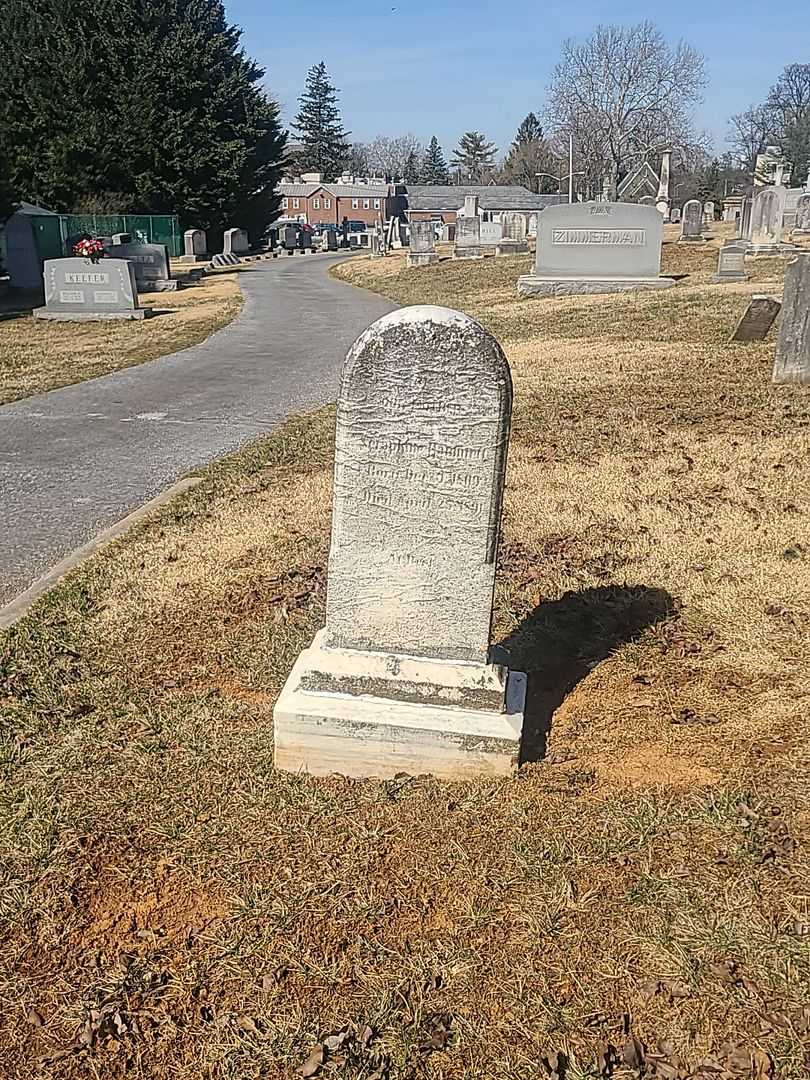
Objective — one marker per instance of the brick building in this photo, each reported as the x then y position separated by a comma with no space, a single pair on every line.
319,203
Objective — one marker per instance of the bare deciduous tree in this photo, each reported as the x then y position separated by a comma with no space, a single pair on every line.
625,92
390,157
748,135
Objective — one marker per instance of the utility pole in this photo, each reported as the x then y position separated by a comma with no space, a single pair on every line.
570,168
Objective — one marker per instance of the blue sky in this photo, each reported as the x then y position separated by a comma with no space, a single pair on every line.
448,66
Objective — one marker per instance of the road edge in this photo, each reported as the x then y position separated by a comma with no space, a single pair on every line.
22,604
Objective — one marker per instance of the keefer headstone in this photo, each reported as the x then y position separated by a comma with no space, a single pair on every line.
802,226
400,678
692,223
151,264
793,345
77,290
235,242
513,241
766,220
758,319
730,264
596,247
423,244
195,246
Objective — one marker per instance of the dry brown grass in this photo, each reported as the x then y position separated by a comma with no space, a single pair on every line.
37,356
173,907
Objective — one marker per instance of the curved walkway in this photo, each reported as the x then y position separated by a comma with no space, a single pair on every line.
76,460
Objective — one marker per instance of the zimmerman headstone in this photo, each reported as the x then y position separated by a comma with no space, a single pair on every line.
77,290
235,242
730,264
596,247
793,345
758,319
423,244
468,231
151,264
513,241
400,678
766,220
692,223
195,246
802,226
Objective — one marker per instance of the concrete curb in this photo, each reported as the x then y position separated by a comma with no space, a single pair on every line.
23,603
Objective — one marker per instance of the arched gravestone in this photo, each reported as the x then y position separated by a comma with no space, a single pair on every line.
766,220
802,226
399,678
692,222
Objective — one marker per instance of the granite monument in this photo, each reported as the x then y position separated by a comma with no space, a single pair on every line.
77,290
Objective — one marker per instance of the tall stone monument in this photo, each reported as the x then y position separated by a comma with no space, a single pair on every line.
468,231
400,678
596,247
802,226
792,363
692,223
708,213
662,201
423,244
766,220
744,226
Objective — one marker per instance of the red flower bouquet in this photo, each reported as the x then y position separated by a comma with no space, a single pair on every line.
89,249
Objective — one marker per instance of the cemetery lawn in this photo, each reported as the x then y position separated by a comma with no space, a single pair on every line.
174,908
37,356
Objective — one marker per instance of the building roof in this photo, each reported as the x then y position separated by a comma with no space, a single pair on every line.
494,197
34,211
340,191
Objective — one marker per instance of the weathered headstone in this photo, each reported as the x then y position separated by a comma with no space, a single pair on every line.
692,223
151,264
513,241
730,264
235,242
596,247
675,215
77,290
708,213
744,228
423,244
759,317
792,363
195,246
468,239
766,220
491,233
399,679
802,226
122,238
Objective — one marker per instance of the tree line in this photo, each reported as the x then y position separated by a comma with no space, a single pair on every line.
153,106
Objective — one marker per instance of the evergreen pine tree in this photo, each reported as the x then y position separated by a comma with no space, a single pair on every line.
530,130
319,127
474,156
434,167
413,169
156,101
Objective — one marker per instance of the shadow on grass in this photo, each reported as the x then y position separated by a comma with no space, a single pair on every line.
559,643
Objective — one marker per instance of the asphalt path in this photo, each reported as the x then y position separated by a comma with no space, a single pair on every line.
76,460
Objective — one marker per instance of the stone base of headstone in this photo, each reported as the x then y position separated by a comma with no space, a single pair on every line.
764,251
512,247
468,253
193,258
423,258
344,711
729,275
91,316
160,285
693,240
533,285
